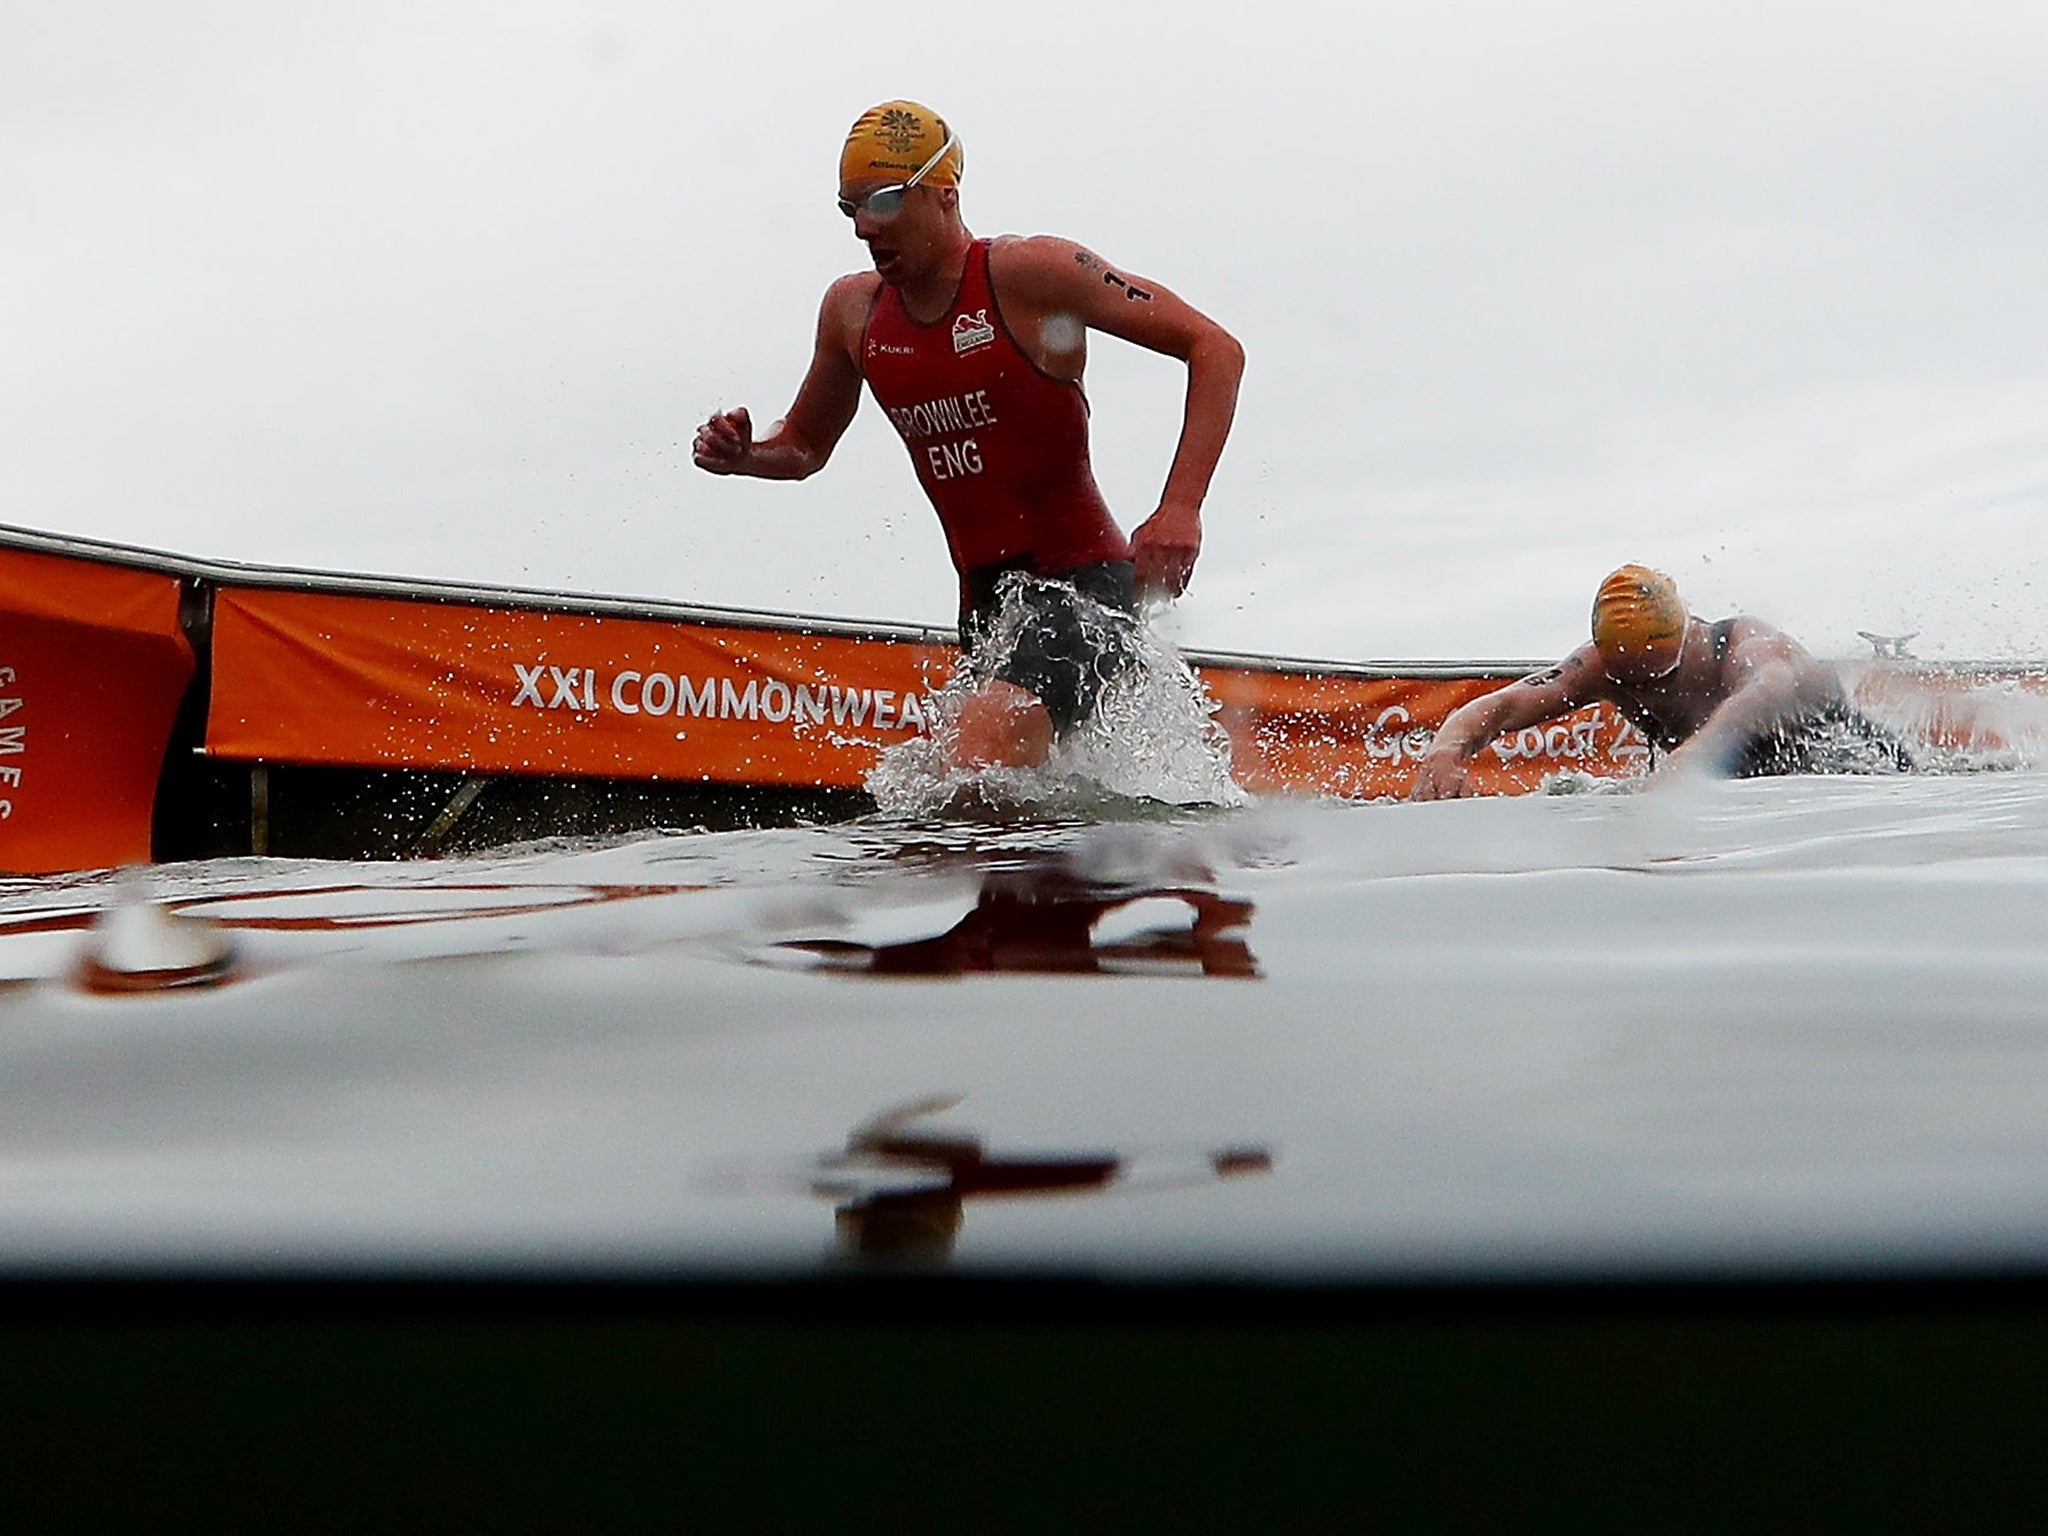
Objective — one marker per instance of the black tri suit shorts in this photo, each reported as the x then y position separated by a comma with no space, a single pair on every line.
1076,632
1832,739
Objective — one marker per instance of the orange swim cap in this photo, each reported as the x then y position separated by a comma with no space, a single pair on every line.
897,140
1638,613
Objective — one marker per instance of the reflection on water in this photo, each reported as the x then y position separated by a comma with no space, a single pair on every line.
903,1188
1048,914
335,908
137,943
344,908
1131,900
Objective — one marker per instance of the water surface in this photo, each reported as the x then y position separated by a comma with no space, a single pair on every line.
1756,1028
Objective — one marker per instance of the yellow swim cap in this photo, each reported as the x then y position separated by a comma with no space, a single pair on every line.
1638,613
897,140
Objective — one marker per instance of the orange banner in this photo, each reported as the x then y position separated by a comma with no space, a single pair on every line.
92,669
1361,737
377,682
374,682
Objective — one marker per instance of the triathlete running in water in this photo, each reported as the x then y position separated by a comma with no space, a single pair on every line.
1739,697
974,349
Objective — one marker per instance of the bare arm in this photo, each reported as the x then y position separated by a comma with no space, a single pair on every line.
1774,679
1056,279
1541,696
797,446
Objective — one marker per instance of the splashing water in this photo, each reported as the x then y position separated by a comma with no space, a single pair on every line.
1983,725
1151,738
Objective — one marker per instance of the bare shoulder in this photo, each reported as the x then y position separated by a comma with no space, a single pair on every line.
1020,253
1757,650
1752,641
843,316
855,285
852,295
1041,266
1579,678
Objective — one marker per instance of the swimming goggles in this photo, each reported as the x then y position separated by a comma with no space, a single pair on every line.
884,202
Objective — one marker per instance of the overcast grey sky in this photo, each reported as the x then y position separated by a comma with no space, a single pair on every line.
1750,291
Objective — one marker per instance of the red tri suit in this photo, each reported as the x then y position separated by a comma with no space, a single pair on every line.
1000,445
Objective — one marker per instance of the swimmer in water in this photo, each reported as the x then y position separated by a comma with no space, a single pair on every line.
1739,697
974,350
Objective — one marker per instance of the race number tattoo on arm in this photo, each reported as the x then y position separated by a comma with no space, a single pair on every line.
1093,263
1538,679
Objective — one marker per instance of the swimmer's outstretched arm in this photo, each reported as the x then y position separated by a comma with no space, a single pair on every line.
798,446
1536,698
